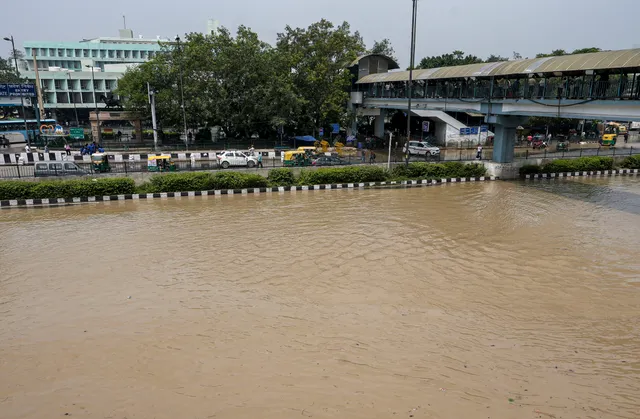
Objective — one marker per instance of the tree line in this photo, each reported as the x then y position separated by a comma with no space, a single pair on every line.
247,86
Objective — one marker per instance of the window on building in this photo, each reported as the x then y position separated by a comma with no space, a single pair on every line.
94,53
143,54
60,52
27,52
69,53
78,53
85,84
150,54
85,53
60,85
103,53
127,54
135,54
110,53
118,54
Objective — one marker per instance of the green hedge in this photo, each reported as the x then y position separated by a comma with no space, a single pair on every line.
181,182
343,175
281,177
430,171
631,162
66,188
582,164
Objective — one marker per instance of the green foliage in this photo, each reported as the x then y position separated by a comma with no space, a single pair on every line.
529,169
430,171
582,164
66,188
281,177
631,162
385,48
8,72
446,60
343,175
183,182
561,52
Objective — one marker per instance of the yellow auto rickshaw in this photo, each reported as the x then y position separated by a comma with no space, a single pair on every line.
610,135
296,158
162,163
100,163
311,151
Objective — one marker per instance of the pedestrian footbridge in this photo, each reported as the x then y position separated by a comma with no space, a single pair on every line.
602,85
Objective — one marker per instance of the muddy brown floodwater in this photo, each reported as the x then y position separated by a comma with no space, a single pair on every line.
494,300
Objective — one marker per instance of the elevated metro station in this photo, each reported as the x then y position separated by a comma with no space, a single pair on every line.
602,85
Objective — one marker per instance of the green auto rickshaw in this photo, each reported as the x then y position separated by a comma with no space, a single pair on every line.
100,162
296,158
562,146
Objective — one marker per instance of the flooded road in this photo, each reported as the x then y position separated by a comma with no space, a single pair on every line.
495,300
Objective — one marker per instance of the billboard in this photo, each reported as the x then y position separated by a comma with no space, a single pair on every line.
17,90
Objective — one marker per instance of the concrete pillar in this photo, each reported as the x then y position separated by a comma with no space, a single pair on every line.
378,129
137,126
503,144
505,137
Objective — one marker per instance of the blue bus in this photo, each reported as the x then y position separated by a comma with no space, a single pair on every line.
12,133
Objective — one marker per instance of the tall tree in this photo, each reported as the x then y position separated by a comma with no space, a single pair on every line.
496,58
586,50
318,57
457,57
8,72
385,48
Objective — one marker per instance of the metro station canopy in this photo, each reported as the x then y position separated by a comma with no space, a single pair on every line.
624,60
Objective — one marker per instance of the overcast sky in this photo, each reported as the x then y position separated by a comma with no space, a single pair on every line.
473,26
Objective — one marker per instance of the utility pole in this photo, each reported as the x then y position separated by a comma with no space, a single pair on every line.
152,102
184,111
413,60
38,86
24,112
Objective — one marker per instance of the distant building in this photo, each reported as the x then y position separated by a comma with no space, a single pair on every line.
65,69
212,26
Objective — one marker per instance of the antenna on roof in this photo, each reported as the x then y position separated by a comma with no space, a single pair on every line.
124,18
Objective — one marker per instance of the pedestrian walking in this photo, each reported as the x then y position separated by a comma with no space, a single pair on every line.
626,137
549,137
260,160
46,148
372,157
27,149
479,153
363,156
67,148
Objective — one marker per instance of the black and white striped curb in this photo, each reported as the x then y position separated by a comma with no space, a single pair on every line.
18,203
622,172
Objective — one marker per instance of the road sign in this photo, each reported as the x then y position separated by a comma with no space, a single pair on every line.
335,128
425,126
484,128
474,130
76,133
465,131
17,90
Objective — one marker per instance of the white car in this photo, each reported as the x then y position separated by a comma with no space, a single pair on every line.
227,159
421,148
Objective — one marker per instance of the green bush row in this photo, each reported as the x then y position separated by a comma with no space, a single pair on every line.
582,164
430,171
180,182
66,188
203,181
631,162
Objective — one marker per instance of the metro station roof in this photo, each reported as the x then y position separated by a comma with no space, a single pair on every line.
393,65
607,60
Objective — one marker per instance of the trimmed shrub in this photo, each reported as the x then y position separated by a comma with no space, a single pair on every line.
180,182
235,180
529,169
430,171
582,164
281,177
631,162
343,175
66,188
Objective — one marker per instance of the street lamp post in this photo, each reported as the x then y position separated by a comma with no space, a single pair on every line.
184,112
410,86
15,62
73,99
95,101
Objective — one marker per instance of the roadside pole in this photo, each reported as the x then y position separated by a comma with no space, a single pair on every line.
152,102
389,156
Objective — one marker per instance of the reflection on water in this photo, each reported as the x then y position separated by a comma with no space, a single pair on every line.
501,300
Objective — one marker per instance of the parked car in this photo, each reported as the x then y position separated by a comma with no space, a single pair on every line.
227,159
42,169
421,148
329,161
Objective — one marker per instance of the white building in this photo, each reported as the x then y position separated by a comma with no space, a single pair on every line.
65,68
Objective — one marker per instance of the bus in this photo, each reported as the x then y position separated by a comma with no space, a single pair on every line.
12,133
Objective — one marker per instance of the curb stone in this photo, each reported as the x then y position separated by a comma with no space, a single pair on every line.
49,202
598,173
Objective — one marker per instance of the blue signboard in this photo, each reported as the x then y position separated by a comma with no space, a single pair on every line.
474,130
465,131
484,128
17,90
335,128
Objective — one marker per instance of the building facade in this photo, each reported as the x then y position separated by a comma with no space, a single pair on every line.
66,69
